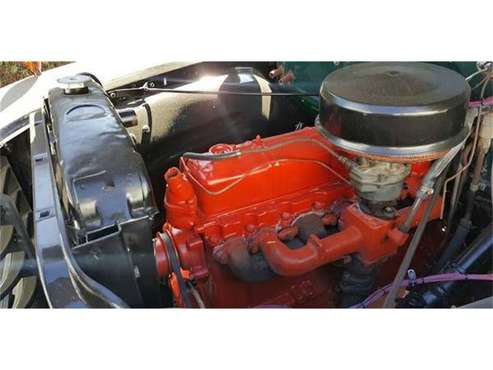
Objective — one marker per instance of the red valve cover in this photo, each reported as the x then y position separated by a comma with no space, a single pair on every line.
282,165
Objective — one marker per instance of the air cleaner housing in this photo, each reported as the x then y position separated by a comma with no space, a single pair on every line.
394,111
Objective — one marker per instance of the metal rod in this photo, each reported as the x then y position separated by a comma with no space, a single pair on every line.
411,250
204,92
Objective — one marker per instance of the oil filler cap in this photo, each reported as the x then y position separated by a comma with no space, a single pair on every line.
390,110
77,84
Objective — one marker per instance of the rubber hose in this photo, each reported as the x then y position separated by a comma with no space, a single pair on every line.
455,244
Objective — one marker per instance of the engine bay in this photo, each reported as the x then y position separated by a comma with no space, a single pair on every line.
219,190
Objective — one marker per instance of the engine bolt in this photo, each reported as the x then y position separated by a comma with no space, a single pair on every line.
329,219
288,233
214,240
219,255
285,216
250,228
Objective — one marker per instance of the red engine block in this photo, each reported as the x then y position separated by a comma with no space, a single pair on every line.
222,212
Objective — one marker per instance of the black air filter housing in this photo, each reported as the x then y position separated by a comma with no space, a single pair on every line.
407,111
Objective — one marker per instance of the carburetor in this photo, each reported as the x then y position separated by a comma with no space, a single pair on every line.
378,184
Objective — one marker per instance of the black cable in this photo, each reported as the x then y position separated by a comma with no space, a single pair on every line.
211,156
203,92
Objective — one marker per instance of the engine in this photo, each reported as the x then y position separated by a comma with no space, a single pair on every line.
233,184
308,218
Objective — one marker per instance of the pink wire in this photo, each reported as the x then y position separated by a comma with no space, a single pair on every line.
485,101
452,276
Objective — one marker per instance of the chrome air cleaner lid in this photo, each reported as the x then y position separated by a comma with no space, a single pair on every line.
395,111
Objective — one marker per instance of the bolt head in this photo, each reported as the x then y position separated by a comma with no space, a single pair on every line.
285,216
250,228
